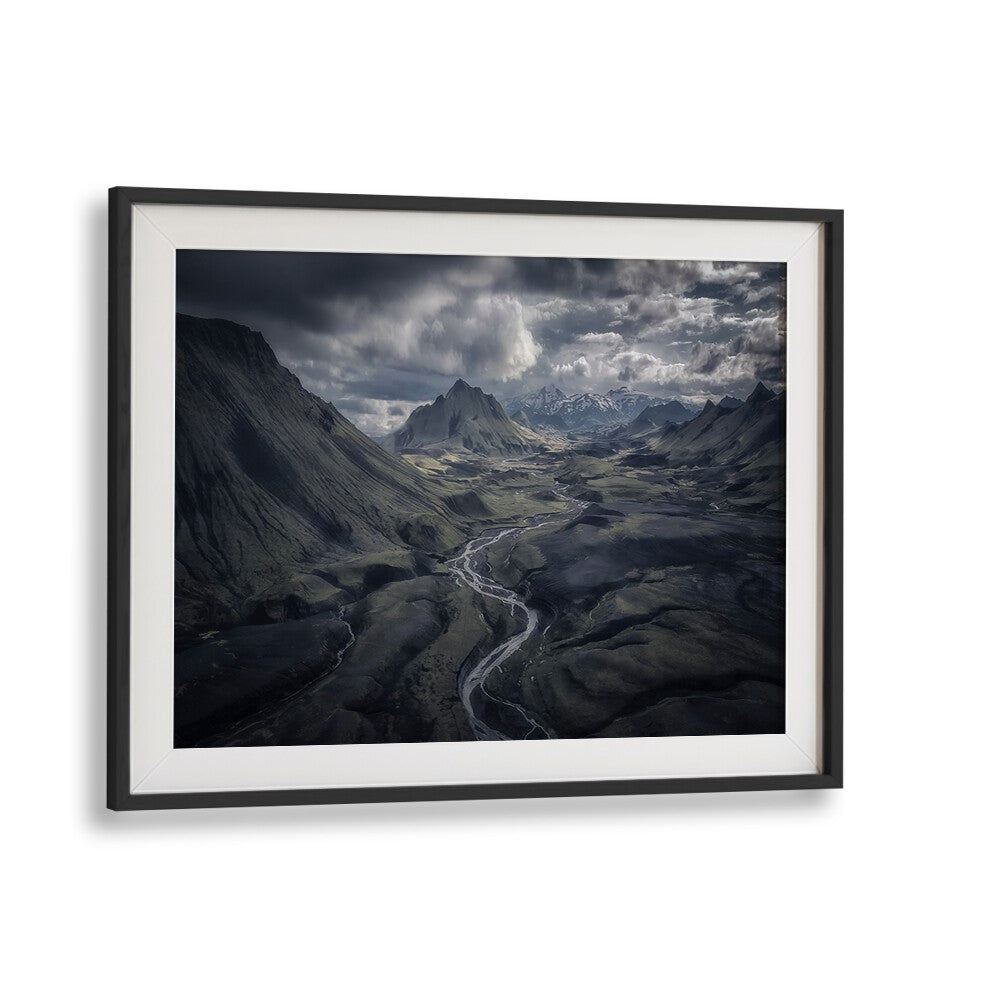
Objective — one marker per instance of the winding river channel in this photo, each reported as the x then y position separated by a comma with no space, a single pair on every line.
494,718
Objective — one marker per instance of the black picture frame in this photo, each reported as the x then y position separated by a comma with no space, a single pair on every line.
119,796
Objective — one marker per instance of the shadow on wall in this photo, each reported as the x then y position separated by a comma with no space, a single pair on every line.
93,513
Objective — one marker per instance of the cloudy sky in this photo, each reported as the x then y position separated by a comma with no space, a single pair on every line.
378,334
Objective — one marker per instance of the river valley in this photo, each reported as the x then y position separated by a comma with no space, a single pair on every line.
590,599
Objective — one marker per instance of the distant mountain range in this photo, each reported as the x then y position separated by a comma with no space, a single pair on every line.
465,419
468,419
550,407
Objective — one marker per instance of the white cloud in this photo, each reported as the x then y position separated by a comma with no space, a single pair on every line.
607,339
580,367
638,366
728,273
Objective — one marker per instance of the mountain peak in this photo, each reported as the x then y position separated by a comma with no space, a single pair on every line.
468,419
708,407
551,393
761,394
460,386
622,391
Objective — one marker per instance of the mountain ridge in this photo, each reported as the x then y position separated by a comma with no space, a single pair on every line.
751,434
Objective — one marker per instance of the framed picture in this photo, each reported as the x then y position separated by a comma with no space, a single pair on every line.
426,498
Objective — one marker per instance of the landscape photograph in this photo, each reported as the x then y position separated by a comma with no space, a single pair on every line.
424,498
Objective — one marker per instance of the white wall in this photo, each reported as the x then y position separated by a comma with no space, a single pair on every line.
885,888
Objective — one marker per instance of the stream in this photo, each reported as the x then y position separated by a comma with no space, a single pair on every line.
494,718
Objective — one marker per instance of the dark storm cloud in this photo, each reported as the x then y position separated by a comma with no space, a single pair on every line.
378,333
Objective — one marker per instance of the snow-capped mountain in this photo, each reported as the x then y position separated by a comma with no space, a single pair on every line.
545,400
589,409
551,407
632,403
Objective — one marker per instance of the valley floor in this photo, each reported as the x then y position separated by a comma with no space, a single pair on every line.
629,601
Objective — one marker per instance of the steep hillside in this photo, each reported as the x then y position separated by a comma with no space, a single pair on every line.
720,436
270,478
